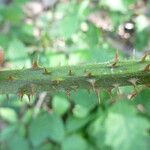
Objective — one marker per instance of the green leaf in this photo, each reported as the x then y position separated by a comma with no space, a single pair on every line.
47,146
96,132
46,126
18,143
7,132
60,105
74,124
13,13
69,25
4,40
8,114
17,52
100,54
14,137
80,111
141,39
125,130
92,35
74,142
16,49
85,99
116,5
143,98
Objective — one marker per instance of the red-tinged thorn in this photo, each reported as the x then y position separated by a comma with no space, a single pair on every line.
147,68
132,95
144,57
116,59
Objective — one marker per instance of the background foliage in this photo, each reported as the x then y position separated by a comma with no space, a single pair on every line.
68,32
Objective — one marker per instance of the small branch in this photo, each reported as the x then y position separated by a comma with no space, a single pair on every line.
92,76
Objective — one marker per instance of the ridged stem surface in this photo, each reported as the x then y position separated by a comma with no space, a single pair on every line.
106,75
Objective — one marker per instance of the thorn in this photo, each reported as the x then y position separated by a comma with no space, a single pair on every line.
97,93
116,86
88,74
132,95
46,71
116,59
21,94
32,90
92,82
70,73
109,90
29,97
147,68
35,64
133,81
11,78
144,57
55,82
68,93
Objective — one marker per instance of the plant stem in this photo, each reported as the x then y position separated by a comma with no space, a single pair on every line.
34,80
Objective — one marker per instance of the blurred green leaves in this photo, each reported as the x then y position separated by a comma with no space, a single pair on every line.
128,131
47,126
8,114
74,142
62,35
143,100
73,18
18,48
118,5
60,105
15,11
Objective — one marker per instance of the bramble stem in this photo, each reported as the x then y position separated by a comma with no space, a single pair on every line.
34,80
